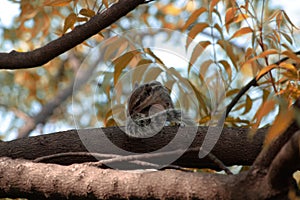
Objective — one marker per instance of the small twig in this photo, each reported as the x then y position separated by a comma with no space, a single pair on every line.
217,161
253,82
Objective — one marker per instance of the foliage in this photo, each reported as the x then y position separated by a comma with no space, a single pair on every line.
243,40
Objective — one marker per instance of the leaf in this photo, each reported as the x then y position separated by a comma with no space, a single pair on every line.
87,12
170,9
213,3
240,17
69,21
248,104
193,17
263,54
227,68
291,55
288,19
229,16
157,59
105,2
81,19
279,19
200,98
265,109
228,50
288,66
204,67
122,62
281,123
56,2
152,74
264,71
286,36
232,92
198,28
241,32
197,51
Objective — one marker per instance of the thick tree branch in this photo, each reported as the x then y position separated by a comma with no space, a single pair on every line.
233,147
285,163
40,56
20,178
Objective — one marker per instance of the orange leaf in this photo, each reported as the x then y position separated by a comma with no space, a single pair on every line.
265,109
230,13
122,62
193,17
57,2
105,2
194,32
241,32
87,12
291,55
281,123
263,54
213,3
69,21
264,71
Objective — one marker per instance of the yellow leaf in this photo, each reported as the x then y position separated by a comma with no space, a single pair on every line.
87,12
241,32
264,71
288,66
281,123
291,55
240,17
193,17
194,32
56,2
170,9
69,21
204,120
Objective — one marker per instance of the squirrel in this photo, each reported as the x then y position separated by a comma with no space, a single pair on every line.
149,108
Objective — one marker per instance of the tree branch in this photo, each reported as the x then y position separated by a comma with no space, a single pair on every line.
253,82
20,178
285,163
40,56
233,147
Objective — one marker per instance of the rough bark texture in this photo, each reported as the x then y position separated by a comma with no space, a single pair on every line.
233,147
22,178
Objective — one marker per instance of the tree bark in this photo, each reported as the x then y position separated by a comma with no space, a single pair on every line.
233,147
